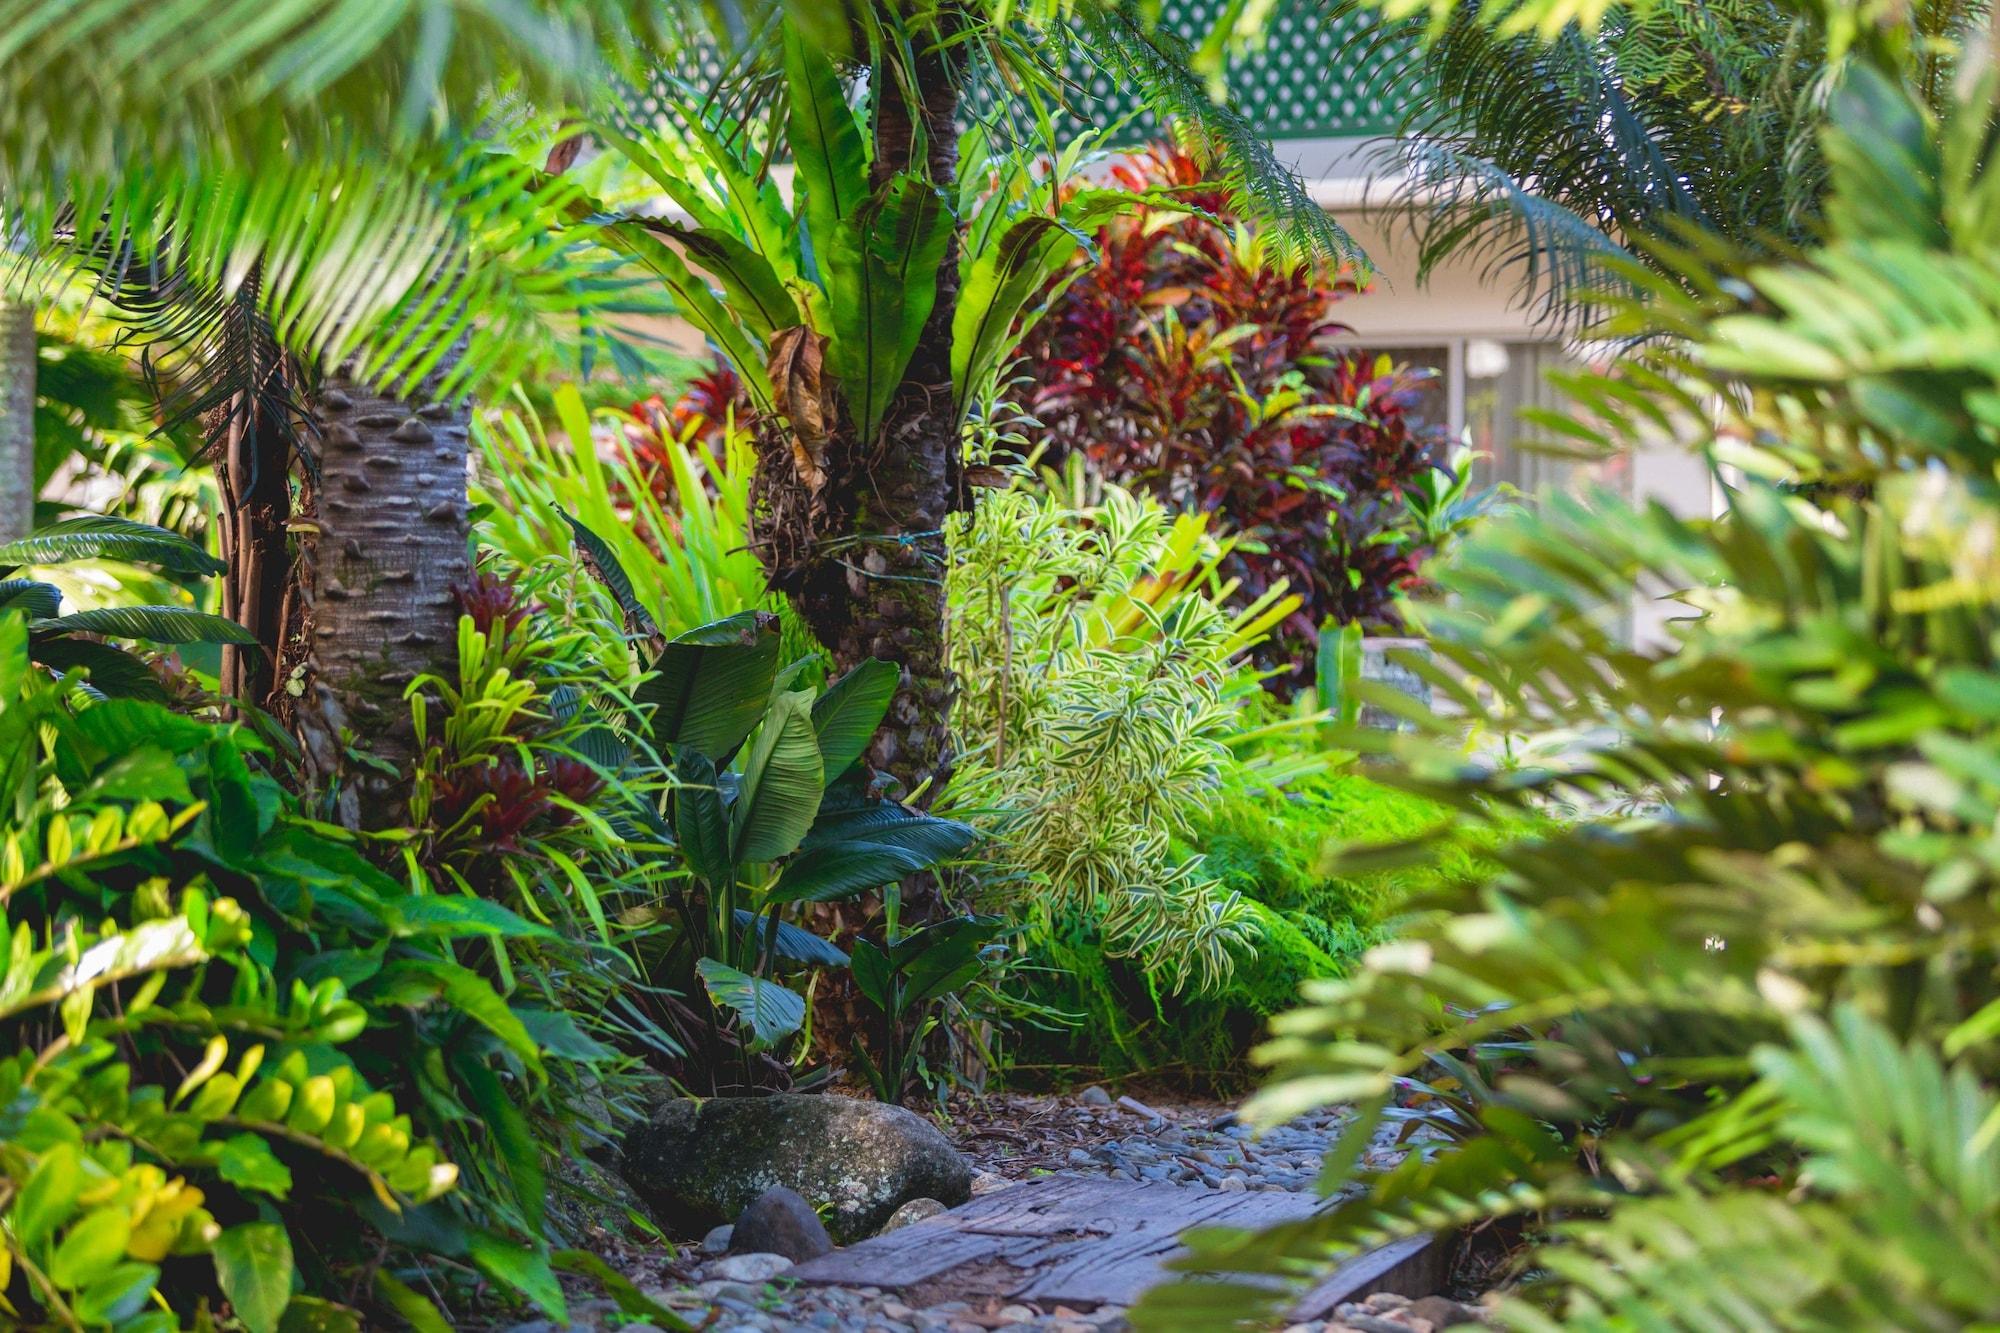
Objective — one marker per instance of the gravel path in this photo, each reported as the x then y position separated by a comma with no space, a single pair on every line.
1012,1137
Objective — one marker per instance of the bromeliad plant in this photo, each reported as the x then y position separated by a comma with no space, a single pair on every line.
1731,1059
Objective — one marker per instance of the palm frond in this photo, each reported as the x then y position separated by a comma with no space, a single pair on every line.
1265,188
390,259
95,89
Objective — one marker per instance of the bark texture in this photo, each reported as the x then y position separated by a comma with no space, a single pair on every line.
253,441
384,552
17,420
882,593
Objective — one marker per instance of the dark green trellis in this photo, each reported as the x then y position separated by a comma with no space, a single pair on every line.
1304,82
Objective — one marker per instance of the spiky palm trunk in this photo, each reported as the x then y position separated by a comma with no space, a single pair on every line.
884,596
387,548
17,419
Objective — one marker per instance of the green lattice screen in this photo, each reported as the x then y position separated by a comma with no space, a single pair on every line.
1305,83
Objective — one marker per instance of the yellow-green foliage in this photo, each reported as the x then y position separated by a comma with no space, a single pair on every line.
1095,664
1272,848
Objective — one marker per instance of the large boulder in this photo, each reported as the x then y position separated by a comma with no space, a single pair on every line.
699,1164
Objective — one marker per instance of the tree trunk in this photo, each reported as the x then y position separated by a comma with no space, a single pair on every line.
378,580
885,596
252,439
17,420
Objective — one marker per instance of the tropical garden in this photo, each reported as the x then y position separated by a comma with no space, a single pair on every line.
666,665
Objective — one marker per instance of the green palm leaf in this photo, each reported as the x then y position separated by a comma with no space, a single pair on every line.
151,624
101,536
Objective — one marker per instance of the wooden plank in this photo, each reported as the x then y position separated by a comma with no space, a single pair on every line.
1415,1267
1086,1241
905,1257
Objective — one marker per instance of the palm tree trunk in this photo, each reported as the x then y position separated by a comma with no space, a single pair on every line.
885,597
379,569
17,419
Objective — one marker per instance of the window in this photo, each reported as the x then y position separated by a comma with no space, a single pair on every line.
1481,387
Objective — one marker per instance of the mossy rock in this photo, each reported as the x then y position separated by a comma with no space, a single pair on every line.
700,1164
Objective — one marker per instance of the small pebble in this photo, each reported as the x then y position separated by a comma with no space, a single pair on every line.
1094,1096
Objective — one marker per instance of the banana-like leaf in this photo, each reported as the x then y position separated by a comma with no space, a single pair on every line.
101,536
710,685
771,1012
701,824
783,778
151,624
846,716
113,671
842,870
791,942
891,824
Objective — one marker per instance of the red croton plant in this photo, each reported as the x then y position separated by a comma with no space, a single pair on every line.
1185,362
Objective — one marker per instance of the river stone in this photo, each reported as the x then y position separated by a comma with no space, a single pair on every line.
778,1221
916,1210
700,1164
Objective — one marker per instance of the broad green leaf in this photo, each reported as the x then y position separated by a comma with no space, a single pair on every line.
711,684
113,671
874,977
48,1196
755,294
410,979
825,139
891,824
151,624
414,1309
698,305
791,943
451,916
253,1266
247,1162
881,281
782,781
103,536
30,597
116,1295
846,716
701,825
513,1140
519,1269
771,1012
92,1244
995,286
841,870
944,957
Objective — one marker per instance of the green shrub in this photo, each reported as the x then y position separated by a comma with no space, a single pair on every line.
1305,921
1100,679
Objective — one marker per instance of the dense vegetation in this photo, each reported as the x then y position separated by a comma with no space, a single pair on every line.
440,723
